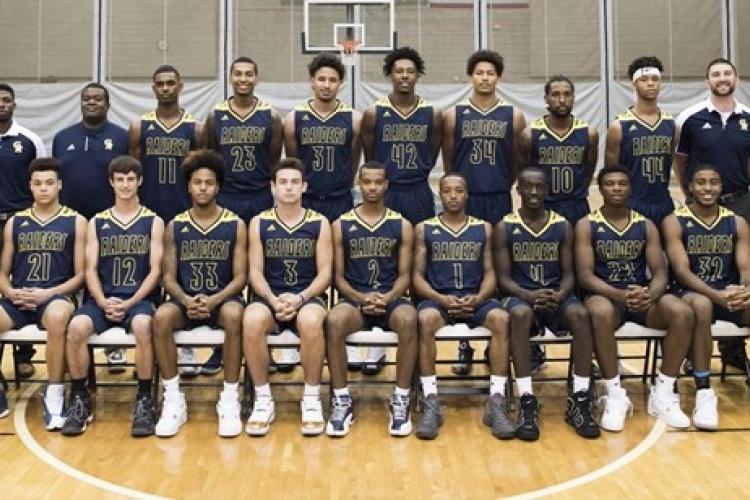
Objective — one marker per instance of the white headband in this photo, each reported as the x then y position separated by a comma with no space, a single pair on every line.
646,70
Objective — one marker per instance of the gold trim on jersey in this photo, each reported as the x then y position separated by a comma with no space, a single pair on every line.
633,217
470,221
575,124
630,115
306,107
63,211
310,216
224,216
385,102
226,107
151,116
685,211
484,112
552,219
389,214
109,215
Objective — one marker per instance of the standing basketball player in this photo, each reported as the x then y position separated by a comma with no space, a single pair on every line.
290,268
643,139
403,132
41,268
123,265
620,263
205,270
454,275
565,148
372,261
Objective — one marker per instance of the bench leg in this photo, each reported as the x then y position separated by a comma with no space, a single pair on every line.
15,366
92,370
657,353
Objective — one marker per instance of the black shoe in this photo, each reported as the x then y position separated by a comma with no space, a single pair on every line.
432,418
144,417
213,364
465,356
538,358
79,414
579,415
3,404
527,426
733,354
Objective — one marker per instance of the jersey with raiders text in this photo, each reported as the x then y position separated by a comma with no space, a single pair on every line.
619,256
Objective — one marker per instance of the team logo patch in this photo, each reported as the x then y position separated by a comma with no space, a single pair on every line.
543,136
224,118
271,228
105,226
387,114
743,124
352,229
436,231
108,144
18,147
689,224
25,223
150,127
305,118
516,231
707,125
467,112
632,128
185,230
72,147
601,230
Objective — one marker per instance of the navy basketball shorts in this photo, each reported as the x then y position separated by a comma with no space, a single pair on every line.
330,207
655,210
212,320
552,320
572,210
246,205
381,321
100,321
490,207
414,201
23,318
477,319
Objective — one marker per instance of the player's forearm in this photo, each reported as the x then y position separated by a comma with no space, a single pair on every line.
509,287
146,288
488,288
94,287
68,287
174,290
261,287
345,289
694,283
318,286
424,290
567,284
399,288
5,286
658,285
597,286
235,287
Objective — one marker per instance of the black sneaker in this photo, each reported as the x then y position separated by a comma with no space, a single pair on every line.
579,415
79,414
432,418
465,356
3,404
538,358
213,365
144,417
527,425
733,354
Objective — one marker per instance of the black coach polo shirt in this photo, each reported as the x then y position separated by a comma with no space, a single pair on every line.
705,138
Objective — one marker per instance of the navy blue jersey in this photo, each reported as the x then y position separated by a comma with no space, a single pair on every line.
324,145
124,248
710,248
403,143
483,148
647,152
535,255
563,158
289,252
371,253
43,254
18,147
245,145
85,154
619,256
205,257
163,149
455,260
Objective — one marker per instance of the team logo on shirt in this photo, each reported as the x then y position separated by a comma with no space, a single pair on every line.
743,124
72,147
352,229
185,230
601,230
707,125
108,144
24,223
689,224
436,231
386,115
18,147
632,128
105,226
271,228
305,118
543,136
224,118
467,112
516,231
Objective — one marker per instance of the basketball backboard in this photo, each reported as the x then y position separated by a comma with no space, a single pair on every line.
329,23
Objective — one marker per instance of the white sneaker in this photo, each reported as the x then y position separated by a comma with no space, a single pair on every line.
706,413
228,410
353,359
375,360
186,355
264,412
173,415
313,422
617,407
288,359
667,409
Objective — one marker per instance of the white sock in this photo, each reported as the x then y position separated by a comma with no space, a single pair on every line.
580,383
344,391
55,398
612,384
401,392
664,386
171,386
497,384
524,386
311,391
263,391
231,388
429,385
55,391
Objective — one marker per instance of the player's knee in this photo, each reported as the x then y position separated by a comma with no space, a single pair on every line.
335,325
521,315
163,322
703,308
230,315
429,321
78,330
404,322
497,321
55,317
577,316
141,328
310,323
681,314
600,310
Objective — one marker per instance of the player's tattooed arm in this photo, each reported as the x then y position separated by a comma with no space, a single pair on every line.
449,139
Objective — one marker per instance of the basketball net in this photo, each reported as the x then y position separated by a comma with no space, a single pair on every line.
349,51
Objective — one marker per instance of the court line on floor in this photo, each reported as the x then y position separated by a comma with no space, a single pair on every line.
19,419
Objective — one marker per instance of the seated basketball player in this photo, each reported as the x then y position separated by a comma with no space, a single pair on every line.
534,262
123,265
290,269
709,250
205,271
41,268
620,264
372,260
455,277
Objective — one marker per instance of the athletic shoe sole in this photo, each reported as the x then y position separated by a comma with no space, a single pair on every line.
405,429
348,421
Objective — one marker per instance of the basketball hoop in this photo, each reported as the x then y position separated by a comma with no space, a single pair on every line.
349,51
